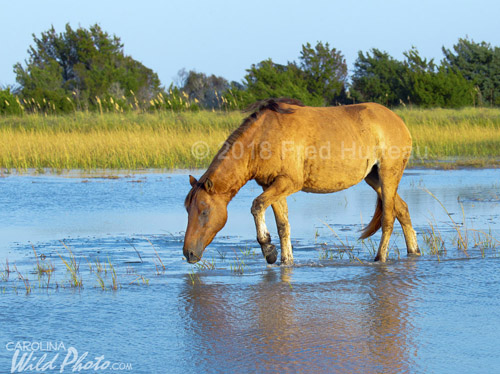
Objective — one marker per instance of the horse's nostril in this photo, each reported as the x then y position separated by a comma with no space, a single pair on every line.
191,255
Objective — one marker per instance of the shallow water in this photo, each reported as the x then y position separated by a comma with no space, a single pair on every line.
334,311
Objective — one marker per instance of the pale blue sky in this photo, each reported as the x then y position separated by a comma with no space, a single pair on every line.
225,37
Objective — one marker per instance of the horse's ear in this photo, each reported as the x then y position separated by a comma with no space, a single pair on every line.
209,185
192,181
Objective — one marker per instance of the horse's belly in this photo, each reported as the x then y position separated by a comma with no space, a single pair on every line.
327,179
327,187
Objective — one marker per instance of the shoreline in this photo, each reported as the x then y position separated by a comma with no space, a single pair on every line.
114,173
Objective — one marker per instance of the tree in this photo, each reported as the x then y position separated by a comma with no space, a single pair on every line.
9,103
431,86
268,79
325,71
84,65
207,90
378,77
478,63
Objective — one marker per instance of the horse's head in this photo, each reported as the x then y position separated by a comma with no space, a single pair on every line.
207,215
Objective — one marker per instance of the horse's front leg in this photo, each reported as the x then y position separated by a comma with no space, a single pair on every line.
280,188
280,209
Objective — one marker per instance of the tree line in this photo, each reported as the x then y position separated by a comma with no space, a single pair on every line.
86,69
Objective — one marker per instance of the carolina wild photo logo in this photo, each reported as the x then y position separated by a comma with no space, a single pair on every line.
47,356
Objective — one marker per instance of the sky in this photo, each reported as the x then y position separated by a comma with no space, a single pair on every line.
226,37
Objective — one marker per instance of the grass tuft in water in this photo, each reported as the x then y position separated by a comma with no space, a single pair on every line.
238,266
73,267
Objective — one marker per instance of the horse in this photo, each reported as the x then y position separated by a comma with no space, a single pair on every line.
288,147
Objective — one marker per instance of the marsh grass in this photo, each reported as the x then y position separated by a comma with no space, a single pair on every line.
129,141
114,278
5,273
465,238
25,281
163,139
434,241
42,267
193,277
462,238
206,265
460,137
339,250
159,265
238,265
73,267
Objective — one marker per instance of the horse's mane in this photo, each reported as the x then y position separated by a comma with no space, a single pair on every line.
257,109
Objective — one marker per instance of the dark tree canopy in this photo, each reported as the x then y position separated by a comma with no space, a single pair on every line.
478,63
87,68
268,79
203,89
380,78
84,64
325,71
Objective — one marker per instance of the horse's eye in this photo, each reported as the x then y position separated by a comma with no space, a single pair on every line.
205,213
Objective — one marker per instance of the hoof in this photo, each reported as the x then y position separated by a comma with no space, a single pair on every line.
415,252
270,253
379,259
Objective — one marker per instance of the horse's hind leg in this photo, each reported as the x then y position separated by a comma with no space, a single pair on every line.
280,188
403,216
402,213
385,182
280,209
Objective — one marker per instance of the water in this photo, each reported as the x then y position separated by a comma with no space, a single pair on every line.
334,311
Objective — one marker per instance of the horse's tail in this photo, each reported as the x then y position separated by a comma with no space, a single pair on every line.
375,223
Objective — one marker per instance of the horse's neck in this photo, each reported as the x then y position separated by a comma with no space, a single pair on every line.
230,174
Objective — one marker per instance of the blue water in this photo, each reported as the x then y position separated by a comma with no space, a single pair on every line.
334,311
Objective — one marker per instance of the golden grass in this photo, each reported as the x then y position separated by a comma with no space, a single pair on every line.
469,136
164,139
112,141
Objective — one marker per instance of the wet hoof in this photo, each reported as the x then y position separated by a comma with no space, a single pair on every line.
415,252
379,259
270,253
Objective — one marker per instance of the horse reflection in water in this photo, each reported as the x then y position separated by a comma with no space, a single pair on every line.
360,323
287,147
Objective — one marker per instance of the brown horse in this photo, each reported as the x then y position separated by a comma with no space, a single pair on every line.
288,147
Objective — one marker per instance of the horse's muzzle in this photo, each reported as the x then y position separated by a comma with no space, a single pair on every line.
192,255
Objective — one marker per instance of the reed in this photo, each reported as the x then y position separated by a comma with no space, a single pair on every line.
164,139
25,281
206,265
114,278
42,267
238,267
339,249
159,265
73,267
464,137
5,273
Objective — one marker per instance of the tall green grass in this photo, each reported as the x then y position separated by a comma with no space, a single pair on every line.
112,140
164,139
468,136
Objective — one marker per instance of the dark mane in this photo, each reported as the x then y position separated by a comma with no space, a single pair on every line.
257,109
271,104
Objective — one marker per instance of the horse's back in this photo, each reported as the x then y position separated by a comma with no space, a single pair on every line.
329,149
